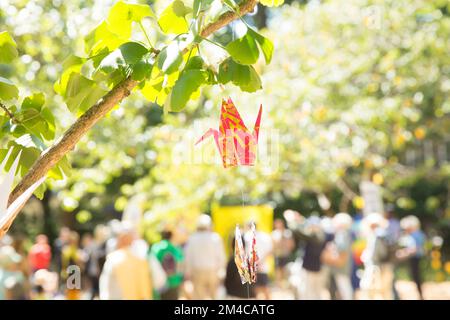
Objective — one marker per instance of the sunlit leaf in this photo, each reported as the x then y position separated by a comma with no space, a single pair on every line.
188,83
123,14
240,75
82,93
170,58
172,19
271,3
244,50
265,44
7,89
8,49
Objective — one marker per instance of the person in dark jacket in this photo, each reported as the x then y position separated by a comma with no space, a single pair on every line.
233,284
309,232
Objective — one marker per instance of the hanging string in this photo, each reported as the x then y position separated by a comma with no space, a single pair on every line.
248,290
243,206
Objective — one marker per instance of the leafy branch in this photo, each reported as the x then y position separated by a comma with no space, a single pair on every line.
67,142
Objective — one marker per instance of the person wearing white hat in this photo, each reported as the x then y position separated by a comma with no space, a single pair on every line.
338,254
413,243
376,281
205,260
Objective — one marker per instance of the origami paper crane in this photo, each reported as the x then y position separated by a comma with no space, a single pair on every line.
6,181
247,264
235,142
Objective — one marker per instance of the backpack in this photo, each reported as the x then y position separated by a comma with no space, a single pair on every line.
169,264
384,250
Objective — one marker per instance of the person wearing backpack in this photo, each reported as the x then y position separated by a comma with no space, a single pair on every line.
413,249
375,281
170,256
338,255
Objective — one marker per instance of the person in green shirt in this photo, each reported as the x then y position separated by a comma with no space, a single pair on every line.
170,256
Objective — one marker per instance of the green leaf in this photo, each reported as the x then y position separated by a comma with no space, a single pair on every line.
7,89
153,90
35,118
8,49
100,38
172,20
265,44
123,57
143,69
61,170
35,101
244,50
82,93
123,14
132,52
243,76
200,5
170,58
271,3
195,62
70,65
188,83
30,152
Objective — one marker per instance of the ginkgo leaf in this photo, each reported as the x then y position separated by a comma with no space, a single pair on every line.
8,50
271,3
172,19
123,14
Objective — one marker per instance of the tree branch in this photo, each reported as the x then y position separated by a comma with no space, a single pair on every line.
8,113
228,17
50,157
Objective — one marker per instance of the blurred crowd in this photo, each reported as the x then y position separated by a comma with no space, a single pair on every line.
339,257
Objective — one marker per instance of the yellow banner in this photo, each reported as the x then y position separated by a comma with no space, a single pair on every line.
226,218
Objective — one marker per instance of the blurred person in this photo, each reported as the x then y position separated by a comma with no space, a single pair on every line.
16,288
357,249
40,254
338,255
393,230
413,248
309,232
233,284
170,256
125,276
60,242
376,281
72,255
204,260
326,224
283,245
264,247
114,227
158,276
38,293
393,233
18,243
12,280
44,285
96,253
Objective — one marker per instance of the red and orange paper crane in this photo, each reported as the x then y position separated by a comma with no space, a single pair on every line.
236,144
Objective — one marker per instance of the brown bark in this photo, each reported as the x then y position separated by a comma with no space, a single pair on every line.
50,157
